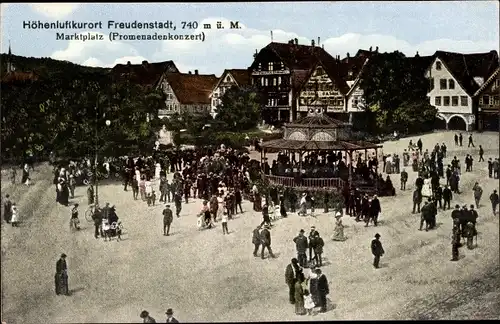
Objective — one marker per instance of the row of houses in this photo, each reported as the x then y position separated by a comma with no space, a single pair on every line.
295,78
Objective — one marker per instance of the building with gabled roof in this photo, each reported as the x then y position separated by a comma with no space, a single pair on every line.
11,74
488,99
279,71
145,74
229,78
187,92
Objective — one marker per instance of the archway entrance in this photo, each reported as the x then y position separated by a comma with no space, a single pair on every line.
440,123
457,123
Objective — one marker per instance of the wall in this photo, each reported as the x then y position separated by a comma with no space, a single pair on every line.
356,102
226,84
436,91
172,105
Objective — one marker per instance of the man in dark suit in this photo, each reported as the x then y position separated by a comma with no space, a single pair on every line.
323,290
97,217
292,272
447,196
265,238
375,209
256,240
301,245
170,316
61,277
312,234
377,250
168,217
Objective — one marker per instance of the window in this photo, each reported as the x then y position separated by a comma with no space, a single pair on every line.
446,101
438,66
270,66
262,82
451,84
496,100
228,78
279,80
169,107
214,102
437,101
282,66
266,82
442,84
464,101
169,96
486,100
260,66
275,82
497,83
454,101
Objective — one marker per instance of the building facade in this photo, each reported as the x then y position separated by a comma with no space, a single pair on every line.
279,70
488,98
454,78
230,78
187,93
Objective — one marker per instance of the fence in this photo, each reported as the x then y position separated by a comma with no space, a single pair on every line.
306,182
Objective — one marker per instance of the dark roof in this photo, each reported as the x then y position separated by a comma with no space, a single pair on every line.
355,64
464,67
317,121
281,144
192,88
299,57
19,76
299,78
488,82
242,76
336,72
145,74
421,62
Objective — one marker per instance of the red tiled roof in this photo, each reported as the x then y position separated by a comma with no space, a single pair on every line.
19,76
192,88
464,67
146,74
242,76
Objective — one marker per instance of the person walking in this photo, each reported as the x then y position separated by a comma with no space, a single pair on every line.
299,296
14,220
318,249
375,210
494,199
455,240
301,245
170,316
292,272
146,318
481,153
256,240
265,237
97,217
460,139
72,185
456,139
168,218
417,200
7,209
74,222
404,179
447,196
377,250
471,142
312,234
178,204
265,215
478,193
61,276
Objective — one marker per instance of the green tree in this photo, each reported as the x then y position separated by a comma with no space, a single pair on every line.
414,117
240,109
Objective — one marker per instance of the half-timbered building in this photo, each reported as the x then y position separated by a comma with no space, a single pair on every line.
488,99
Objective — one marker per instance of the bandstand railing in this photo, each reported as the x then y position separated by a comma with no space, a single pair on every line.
306,182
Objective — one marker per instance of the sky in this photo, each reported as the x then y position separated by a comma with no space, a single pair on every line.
462,26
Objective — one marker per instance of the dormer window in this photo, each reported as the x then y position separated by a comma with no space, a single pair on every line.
438,66
228,79
270,66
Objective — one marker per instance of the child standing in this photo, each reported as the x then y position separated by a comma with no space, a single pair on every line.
308,302
14,220
224,223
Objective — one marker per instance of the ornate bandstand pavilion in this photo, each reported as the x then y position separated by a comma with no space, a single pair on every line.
318,134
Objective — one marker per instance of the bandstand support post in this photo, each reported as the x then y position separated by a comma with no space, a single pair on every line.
366,155
350,170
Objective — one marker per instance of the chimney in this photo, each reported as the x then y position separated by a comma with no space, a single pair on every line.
348,55
255,55
417,55
376,49
296,41
312,43
323,46
318,40
144,63
128,63
189,72
370,48
196,72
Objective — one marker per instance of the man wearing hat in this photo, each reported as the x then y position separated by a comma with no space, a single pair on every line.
168,217
256,240
377,250
146,318
61,277
74,222
170,316
292,272
301,245
312,234
265,238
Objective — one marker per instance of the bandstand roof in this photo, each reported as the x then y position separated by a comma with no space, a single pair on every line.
317,121
291,145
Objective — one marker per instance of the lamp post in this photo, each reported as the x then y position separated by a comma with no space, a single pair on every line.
96,179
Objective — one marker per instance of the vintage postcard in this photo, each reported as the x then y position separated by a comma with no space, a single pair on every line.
249,161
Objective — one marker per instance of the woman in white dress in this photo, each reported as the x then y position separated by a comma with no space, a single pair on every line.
14,220
157,170
338,232
220,201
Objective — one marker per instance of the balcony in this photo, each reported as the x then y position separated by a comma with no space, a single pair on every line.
306,182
